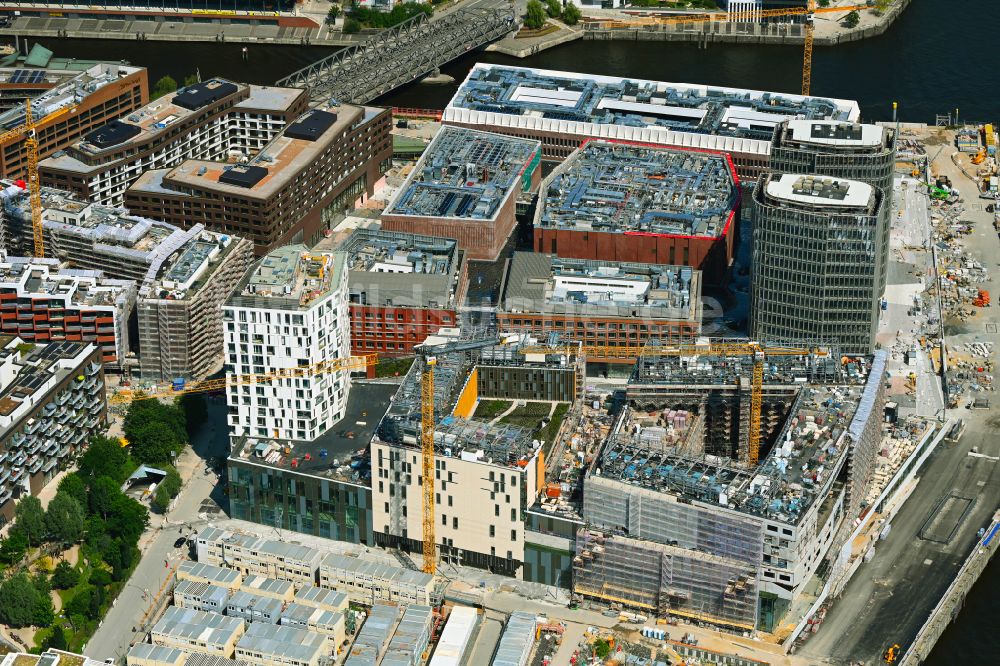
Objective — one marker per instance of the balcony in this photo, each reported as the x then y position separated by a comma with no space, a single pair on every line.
92,369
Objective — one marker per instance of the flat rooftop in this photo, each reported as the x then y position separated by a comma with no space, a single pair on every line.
400,269
663,364
290,643
835,134
610,107
340,453
39,366
626,188
41,278
820,191
270,98
65,95
155,117
291,275
465,174
187,271
284,159
200,626
543,283
285,550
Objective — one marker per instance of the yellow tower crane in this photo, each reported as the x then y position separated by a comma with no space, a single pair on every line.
127,395
429,355
29,130
722,17
757,350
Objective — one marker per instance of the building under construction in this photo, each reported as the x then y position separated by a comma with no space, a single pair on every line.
679,520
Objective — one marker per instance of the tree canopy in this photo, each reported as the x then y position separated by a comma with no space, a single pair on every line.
64,519
534,17
29,520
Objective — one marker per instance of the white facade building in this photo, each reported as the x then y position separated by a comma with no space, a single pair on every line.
289,316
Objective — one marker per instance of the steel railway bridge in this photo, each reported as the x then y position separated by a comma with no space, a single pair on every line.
399,55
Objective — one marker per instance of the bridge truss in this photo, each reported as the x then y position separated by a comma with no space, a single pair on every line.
399,55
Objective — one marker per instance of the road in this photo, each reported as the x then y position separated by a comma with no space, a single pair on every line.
890,597
115,634
486,640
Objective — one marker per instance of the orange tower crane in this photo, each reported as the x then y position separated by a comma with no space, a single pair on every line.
29,130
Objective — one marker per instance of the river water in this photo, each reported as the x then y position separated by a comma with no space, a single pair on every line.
938,56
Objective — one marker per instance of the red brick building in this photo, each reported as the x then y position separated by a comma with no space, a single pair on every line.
638,203
466,187
401,288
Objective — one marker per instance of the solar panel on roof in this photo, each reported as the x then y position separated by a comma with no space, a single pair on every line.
37,77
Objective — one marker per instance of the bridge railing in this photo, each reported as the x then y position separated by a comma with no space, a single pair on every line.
400,55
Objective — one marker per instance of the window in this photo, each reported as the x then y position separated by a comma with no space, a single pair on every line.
493,531
513,535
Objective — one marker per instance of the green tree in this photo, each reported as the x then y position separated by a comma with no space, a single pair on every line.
190,80
65,576
57,639
164,86
103,493
18,599
127,519
553,8
153,443
823,3
602,649
13,548
161,500
105,457
534,18
852,19
351,26
64,519
79,603
331,16
571,15
29,520
100,578
73,485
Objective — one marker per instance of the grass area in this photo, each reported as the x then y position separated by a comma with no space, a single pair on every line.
529,416
392,367
488,409
549,432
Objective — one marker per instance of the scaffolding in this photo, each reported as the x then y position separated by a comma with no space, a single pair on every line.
662,579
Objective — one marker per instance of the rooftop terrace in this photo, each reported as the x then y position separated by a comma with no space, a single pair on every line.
628,188
835,134
544,283
292,276
566,98
387,267
465,174
499,443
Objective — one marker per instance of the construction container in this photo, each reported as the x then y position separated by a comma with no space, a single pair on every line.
517,640
455,638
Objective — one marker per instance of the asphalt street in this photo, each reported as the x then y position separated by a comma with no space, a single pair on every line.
890,598
115,634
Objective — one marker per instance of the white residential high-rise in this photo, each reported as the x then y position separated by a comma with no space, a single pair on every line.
289,312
